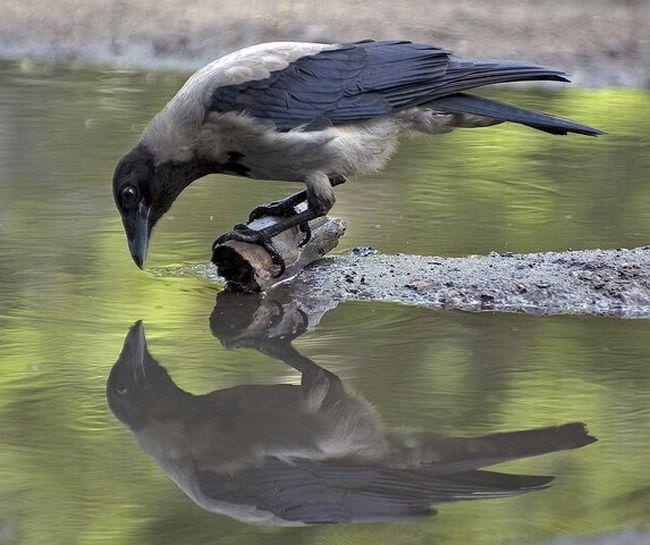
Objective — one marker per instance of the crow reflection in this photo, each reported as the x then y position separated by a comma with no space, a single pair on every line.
309,453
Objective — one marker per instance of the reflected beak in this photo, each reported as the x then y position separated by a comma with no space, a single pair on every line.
135,346
138,229
135,339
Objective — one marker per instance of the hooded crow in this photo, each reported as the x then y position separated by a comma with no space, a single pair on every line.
314,113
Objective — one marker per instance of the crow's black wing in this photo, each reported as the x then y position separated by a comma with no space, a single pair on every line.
365,80
338,491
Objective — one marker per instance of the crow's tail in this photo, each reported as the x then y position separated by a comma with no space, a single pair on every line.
462,103
459,454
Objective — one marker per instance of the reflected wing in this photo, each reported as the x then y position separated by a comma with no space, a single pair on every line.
324,492
365,80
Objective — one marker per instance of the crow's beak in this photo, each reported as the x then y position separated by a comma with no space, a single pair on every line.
138,230
135,339
127,380
135,345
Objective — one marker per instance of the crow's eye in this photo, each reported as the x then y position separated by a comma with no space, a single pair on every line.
122,389
129,195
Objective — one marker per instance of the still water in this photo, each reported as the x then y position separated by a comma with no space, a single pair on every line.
88,459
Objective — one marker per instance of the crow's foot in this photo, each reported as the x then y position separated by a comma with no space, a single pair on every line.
262,238
284,209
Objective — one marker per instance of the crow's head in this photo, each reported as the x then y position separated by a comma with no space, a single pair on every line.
143,191
139,389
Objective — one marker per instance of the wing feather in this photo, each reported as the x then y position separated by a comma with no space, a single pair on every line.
363,80
341,491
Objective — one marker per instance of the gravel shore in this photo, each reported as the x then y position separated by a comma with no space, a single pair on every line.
600,42
600,282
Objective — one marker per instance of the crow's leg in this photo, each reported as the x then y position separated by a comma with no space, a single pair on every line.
320,197
287,207
284,208
263,237
318,385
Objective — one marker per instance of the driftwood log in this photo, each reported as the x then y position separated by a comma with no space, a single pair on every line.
249,268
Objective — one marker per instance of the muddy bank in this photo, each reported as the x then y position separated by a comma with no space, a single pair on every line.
600,42
601,282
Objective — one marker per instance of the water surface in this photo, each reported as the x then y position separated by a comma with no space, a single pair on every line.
70,472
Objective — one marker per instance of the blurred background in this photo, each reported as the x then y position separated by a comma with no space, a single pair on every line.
79,80
600,41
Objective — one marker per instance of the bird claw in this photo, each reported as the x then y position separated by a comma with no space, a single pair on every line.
280,209
243,233
277,208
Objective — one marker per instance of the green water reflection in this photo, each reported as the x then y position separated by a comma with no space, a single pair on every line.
71,473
